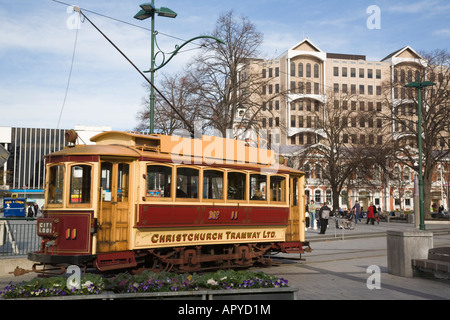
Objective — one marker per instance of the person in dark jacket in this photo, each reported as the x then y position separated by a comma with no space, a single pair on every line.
324,214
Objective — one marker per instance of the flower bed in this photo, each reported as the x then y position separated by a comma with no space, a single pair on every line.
147,282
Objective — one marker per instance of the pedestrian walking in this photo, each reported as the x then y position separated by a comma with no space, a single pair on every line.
30,211
312,214
324,214
371,214
357,209
306,217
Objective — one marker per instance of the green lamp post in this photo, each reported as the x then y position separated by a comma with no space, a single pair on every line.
148,11
419,86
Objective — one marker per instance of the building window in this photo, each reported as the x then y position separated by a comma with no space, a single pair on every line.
336,71
378,74
361,72
344,71
308,70
292,69
300,70
317,196
316,70
353,72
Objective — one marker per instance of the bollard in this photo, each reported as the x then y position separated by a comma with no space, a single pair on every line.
403,246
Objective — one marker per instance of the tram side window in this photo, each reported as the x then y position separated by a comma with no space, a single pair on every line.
123,173
236,185
80,184
106,181
212,184
187,183
278,188
294,192
258,187
56,184
159,179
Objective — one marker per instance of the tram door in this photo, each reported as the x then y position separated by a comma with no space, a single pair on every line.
114,207
293,230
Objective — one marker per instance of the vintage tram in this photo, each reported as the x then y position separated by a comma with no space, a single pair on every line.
132,200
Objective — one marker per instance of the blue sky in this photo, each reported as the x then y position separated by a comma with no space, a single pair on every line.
37,42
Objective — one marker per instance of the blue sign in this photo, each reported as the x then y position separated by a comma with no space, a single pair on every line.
14,207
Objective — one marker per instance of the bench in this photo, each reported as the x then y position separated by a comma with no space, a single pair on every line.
436,266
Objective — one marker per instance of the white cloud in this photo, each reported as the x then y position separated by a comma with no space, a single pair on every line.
442,32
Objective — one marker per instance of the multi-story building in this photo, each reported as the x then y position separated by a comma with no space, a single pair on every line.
305,83
23,173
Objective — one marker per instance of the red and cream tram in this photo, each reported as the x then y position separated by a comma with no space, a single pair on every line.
161,202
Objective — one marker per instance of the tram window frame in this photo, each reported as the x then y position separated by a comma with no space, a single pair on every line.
51,189
170,183
205,196
244,187
86,185
283,190
189,197
253,196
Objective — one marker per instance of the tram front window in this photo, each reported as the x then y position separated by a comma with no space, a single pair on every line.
56,184
80,184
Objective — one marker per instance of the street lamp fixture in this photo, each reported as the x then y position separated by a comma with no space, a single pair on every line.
419,86
148,11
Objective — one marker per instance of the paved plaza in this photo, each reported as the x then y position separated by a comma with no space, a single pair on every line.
341,266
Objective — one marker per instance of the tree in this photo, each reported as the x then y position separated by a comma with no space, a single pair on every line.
222,85
431,66
217,87
179,92
347,147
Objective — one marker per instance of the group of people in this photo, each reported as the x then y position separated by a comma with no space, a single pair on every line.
32,210
372,213
324,212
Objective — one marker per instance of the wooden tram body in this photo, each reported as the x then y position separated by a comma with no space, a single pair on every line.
163,202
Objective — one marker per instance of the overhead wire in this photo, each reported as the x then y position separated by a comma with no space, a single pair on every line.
131,24
68,80
191,129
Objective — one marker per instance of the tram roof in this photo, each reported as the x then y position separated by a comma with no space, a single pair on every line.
208,150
